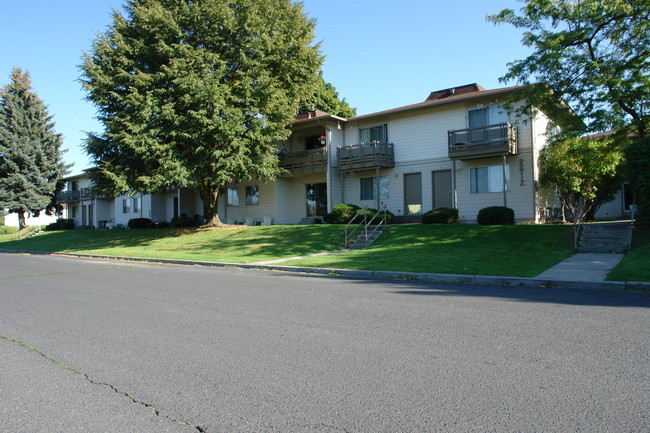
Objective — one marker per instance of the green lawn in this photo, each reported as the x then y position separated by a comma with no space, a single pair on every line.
239,244
635,266
520,250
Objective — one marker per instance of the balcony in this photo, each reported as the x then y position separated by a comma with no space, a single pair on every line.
72,196
304,162
68,196
365,156
482,142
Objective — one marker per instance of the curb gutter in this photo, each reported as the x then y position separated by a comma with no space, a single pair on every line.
387,275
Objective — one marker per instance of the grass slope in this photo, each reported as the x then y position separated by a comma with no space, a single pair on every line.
635,266
238,244
520,250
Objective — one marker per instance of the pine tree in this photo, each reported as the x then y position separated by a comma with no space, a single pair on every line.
197,93
31,157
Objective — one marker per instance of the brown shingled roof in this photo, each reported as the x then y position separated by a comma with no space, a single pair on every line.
459,90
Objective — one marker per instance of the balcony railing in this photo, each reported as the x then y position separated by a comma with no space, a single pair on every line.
365,156
68,196
486,141
304,162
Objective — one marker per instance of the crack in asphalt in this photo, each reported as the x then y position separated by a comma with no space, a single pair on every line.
108,385
65,272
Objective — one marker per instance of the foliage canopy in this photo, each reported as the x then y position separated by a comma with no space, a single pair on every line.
30,150
594,54
197,93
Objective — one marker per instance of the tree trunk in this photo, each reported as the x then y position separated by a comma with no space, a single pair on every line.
210,197
21,220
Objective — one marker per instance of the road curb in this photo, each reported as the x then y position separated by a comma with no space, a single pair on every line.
638,286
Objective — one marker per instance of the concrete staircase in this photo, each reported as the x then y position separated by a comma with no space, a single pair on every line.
605,237
360,241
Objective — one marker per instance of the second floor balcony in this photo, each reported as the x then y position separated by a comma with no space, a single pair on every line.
78,195
304,162
482,142
365,156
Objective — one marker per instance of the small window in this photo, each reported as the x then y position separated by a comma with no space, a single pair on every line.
252,195
369,186
488,179
374,134
233,197
137,204
126,205
75,211
487,116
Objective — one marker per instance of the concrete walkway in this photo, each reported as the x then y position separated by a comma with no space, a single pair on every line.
588,267
287,259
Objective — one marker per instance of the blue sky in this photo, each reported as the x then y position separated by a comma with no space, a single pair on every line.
379,54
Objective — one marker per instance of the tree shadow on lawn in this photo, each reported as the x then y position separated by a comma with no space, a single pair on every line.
83,240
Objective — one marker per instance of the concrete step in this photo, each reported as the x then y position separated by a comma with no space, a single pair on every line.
605,238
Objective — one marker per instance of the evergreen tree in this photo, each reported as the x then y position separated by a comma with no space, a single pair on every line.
197,93
32,158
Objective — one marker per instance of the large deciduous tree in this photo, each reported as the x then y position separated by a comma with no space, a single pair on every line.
594,54
197,93
327,99
584,172
30,150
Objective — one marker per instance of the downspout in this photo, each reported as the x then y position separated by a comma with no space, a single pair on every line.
505,183
377,188
454,195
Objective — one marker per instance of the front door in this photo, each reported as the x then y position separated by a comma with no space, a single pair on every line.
413,194
316,199
441,188
91,217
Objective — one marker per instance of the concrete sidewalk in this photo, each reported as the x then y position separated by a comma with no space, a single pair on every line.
589,267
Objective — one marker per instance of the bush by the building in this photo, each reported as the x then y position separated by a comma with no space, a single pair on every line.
496,216
61,224
139,223
441,215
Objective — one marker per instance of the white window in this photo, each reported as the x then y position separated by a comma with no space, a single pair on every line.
233,197
75,212
487,116
369,187
137,204
488,179
374,134
126,205
252,195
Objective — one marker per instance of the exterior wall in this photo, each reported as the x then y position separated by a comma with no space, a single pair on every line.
613,209
265,208
42,219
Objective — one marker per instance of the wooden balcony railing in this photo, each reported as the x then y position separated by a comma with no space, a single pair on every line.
366,155
71,196
304,162
486,141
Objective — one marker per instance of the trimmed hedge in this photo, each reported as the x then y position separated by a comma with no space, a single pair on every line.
139,223
441,215
61,224
6,230
496,216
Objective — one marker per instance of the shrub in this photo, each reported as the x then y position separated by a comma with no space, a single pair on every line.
184,221
2,220
441,215
164,225
369,213
5,230
341,214
496,215
61,224
139,223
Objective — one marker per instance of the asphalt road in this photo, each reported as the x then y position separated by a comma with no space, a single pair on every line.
104,346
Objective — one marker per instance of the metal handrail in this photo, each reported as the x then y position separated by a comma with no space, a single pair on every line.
346,240
383,221
365,224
